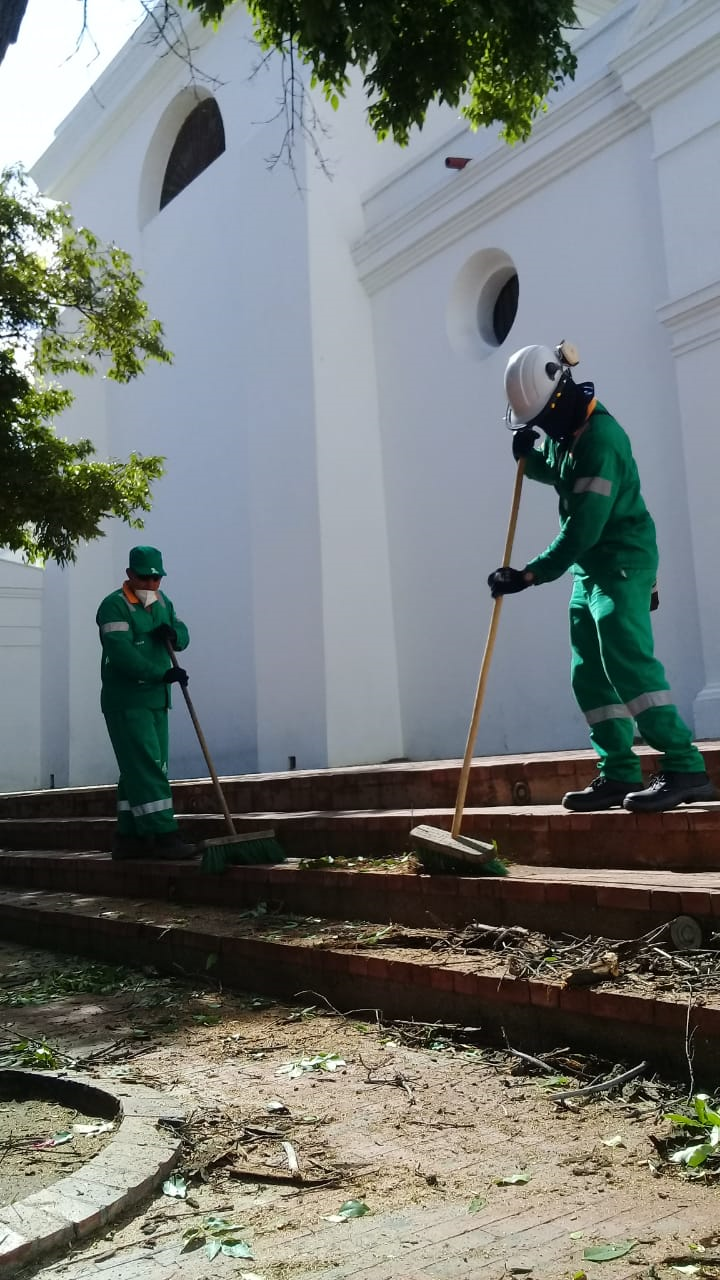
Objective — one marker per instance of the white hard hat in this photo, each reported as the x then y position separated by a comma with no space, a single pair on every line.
531,376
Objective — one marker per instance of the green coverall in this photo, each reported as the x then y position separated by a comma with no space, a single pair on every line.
607,540
135,702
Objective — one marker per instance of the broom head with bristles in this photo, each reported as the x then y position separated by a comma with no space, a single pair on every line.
257,848
442,854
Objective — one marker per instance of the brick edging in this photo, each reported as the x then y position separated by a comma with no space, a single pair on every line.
533,1013
619,910
130,1165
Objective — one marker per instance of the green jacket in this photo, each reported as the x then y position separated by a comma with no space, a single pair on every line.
133,661
604,523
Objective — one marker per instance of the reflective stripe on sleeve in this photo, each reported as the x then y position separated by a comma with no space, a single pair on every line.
659,698
593,484
155,806
614,711
107,627
123,806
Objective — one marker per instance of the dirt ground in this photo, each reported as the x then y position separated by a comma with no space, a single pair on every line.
294,1111
40,1142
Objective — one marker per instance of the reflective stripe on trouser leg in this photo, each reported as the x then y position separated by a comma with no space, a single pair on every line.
620,609
611,726
125,820
139,736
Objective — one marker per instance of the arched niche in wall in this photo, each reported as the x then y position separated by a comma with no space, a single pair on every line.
188,137
483,303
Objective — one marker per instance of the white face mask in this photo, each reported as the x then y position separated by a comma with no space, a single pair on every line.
147,598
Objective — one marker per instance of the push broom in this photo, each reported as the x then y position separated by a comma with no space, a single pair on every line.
442,852
232,849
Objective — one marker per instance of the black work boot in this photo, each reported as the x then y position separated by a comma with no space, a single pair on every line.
603,793
666,790
171,845
131,847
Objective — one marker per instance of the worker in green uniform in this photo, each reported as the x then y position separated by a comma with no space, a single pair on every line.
136,622
607,540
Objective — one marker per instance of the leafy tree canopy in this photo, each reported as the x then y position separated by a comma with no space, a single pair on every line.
495,59
68,305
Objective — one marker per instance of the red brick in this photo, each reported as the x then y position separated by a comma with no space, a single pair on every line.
557,891
442,979
337,961
545,995
377,968
574,1000
513,991
696,904
584,894
358,964
621,1008
626,899
670,1015
665,902
401,971
525,891
464,984
707,1020
674,820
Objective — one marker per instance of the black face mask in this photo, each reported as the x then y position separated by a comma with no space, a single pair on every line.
569,408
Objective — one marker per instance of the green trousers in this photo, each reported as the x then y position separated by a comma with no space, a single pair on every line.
139,737
618,681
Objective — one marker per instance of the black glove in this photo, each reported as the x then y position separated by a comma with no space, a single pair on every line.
654,598
505,582
164,633
523,442
176,675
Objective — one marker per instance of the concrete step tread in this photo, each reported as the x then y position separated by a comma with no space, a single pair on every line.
686,814
624,878
710,748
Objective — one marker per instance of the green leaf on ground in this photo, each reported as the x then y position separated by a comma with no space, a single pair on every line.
175,1186
237,1249
350,1209
320,1062
608,1252
512,1179
476,1204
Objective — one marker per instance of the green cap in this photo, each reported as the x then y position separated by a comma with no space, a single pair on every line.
146,562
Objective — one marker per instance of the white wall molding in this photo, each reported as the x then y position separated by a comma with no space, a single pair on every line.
137,75
692,321
493,185
671,55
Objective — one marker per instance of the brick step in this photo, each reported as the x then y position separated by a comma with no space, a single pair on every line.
534,1014
540,778
687,838
611,904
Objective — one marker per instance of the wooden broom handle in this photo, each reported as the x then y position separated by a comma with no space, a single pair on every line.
204,746
487,655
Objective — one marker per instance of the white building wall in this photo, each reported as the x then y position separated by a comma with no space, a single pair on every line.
338,476
20,692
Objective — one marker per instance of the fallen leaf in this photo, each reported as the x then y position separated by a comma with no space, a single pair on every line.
608,1252
511,1179
175,1186
476,1204
350,1209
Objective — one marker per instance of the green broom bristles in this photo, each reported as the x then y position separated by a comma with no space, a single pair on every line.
445,864
242,851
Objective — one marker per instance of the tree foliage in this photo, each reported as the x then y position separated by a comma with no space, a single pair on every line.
68,305
495,59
